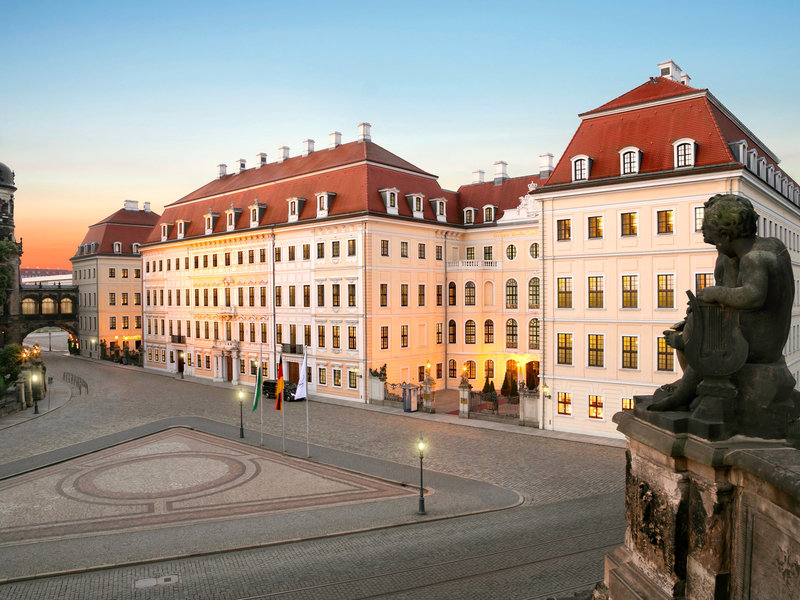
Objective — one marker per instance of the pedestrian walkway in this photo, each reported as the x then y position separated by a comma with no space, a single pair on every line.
58,394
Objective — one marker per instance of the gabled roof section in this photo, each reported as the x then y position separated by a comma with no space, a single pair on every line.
503,196
300,166
656,89
131,217
126,226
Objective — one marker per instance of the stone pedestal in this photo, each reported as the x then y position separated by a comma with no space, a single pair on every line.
464,388
529,408
428,395
706,520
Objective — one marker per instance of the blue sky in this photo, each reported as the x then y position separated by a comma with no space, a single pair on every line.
104,101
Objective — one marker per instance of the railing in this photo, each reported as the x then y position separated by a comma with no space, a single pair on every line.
474,264
292,348
228,310
178,339
78,382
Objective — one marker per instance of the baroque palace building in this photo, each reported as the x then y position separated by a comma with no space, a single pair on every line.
567,277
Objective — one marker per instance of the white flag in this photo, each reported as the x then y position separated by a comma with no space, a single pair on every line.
302,382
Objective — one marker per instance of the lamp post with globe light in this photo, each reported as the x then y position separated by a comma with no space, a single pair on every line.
421,448
241,414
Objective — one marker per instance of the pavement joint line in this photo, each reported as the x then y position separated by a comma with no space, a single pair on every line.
435,417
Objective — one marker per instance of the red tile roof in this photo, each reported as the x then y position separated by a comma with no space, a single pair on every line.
504,196
126,226
658,88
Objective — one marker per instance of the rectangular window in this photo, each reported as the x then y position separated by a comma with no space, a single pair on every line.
278,334
384,294
666,291
124,298
213,261
596,344
351,294
564,403
322,376
336,336
291,252
699,215
563,229
421,294
595,407
629,223
263,293
384,247
439,253
351,337
251,296
138,322
403,294
278,296
336,298
470,253
112,322
630,352
291,295
439,327
137,273
384,337
595,227
420,250
564,348
320,294
320,250
112,272
227,259
125,322
335,249
277,254
404,336
488,253
627,404
125,273
665,221
595,286
438,295
630,291
564,292
665,355
702,281
306,296
321,336
337,377
351,247
404,249
112,299
352,380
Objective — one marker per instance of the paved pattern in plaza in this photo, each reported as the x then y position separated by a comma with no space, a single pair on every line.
176,476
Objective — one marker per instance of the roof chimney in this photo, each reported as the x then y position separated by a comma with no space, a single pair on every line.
336,140
262,158
223,170
131,205
545,165
363,132
308,147
669,70
477,176
685,79
147,207
242,163
500,172
283,153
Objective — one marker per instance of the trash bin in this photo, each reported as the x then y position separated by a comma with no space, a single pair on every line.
406,400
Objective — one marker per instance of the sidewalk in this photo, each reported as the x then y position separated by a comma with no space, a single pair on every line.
58,394
437,417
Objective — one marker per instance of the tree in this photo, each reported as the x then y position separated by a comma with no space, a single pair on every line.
10,363
505,389
486,387
8,252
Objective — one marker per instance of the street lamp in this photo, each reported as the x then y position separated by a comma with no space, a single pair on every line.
421,448
241,414
34,379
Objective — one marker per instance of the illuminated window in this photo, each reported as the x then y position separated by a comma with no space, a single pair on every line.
534,294
512,295
564,348
563,229
702,281
595,287
596,343
595,407
595,227
665,355
512,334
666,291
534,334
666,221
564,286
564,403
469,294
627,404
470,332
488,331
629,223
630,352
630,291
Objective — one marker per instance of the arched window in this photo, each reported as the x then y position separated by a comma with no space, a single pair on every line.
392,199
470,369
511,293
29,306
452,368
488,331
117,247
470,333
48,306
66,306
488,214
534,250
292,210
534,293
451,293
451,332
512,334
580,169
469,294
488,369
534,334
684,152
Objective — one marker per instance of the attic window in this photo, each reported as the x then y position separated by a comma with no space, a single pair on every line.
324,203
392,200
253,216
181,229
231,220
441,208
135,247
164,231
293,207
581,166
389,196
209,224
469,216
415,203
488,214
117,247
629,160
684,153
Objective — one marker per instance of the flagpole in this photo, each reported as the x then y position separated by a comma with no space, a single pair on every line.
261,412
305,366
283,419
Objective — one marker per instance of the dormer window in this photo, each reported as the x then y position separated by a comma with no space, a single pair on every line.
181,228
230,220
488,214
253,217
209,224
209,220
415,204
684,152
629,160
295,208
323,203
164,231
762,168
469,216
389,196
752,160
117,247
135,247
256,210
581,166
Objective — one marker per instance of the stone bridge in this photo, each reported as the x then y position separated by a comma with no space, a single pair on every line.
40,306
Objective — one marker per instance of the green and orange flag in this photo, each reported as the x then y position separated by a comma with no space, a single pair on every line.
279,389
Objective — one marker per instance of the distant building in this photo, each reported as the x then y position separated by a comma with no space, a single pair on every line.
107,269
45,276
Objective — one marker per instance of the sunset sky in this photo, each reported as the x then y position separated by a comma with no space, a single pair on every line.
104,102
